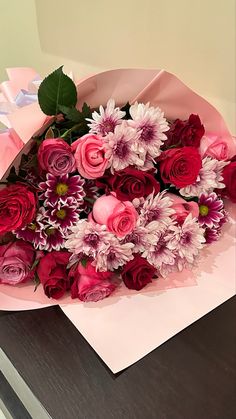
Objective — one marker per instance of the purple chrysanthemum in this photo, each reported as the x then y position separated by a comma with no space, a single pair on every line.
211,210
59,188
212,234
53,236
91,194
63,215
31,233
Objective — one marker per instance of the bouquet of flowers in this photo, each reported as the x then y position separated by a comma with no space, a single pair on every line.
110,194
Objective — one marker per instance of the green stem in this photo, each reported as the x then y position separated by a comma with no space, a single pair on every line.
90,200
74,128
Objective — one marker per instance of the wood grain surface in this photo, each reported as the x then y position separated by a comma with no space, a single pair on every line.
192,376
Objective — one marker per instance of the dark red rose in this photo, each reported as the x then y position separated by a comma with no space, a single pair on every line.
52,273
17,207
185,133
180,166
132,183
137,273
229,175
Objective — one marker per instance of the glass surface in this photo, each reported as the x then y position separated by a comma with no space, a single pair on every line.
16,398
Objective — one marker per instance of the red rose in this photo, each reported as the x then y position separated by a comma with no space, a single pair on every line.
185,133
131,183
137,273
180,166
52,273
17,207
229,175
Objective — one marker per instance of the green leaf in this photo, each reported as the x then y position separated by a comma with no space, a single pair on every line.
126,108
83,262
86,111
49,134
55,89
36,281
75,115
36,262
71,113
12,177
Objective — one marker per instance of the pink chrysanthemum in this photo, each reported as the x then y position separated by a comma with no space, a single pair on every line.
160,254
87,238
142,237
120,148
186,239
59,188
105,120
211,210
209,178
113,256
151,125
63,215
157,208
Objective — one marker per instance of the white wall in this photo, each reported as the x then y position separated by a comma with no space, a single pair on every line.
194,39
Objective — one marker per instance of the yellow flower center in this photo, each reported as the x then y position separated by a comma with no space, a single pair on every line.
50,231
32,226
61,189
61,214
203,209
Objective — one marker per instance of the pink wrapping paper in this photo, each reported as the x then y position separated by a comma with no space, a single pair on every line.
128,325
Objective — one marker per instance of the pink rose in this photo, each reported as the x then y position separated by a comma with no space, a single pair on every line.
90,157
16,260
89,285
183,208
55,157
217,147
119,216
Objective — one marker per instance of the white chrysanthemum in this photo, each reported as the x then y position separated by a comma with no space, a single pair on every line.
157,208
113,255
120,148
209,178
87,238
106,119
186,239
159,254
142,237
151,125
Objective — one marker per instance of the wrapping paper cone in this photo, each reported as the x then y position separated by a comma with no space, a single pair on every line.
128,325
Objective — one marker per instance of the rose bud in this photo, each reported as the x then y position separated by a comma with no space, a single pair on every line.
53,275
119,216
90,285
55,157
16,260
89,152
183,208
219,148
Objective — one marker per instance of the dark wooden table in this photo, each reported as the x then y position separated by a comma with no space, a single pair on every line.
192,376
